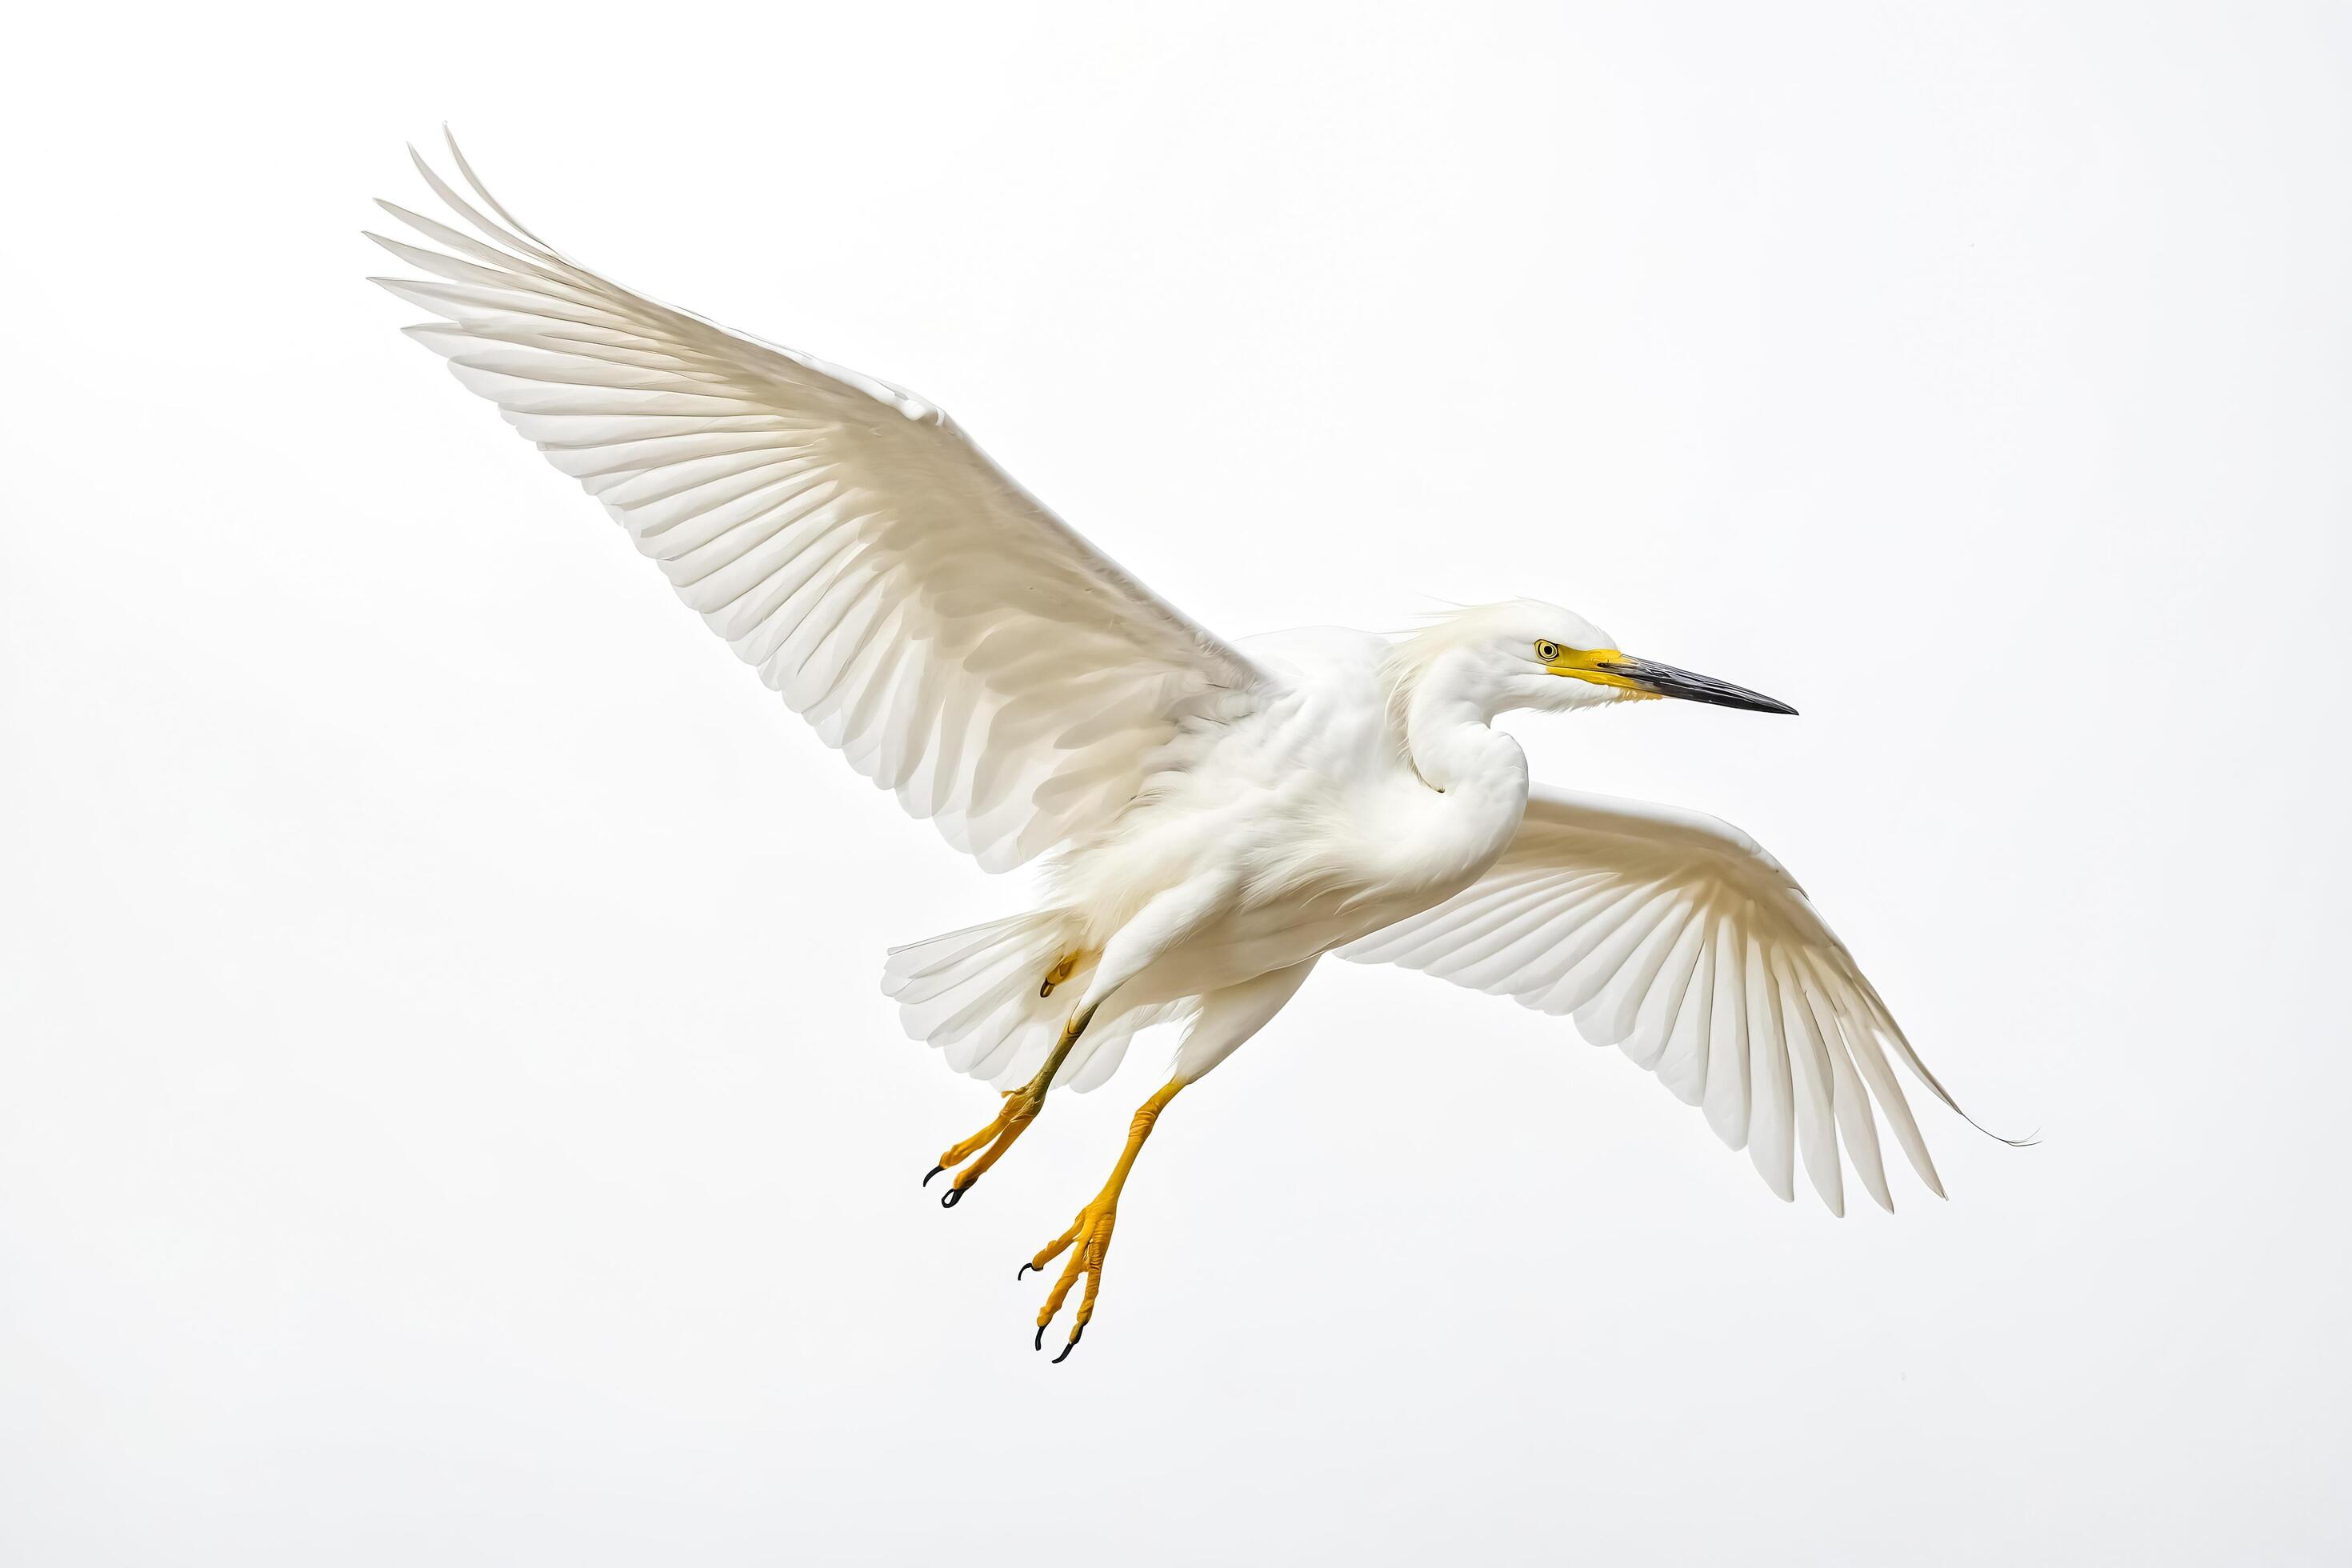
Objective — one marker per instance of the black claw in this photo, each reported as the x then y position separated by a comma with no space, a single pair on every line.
1039,1342
935,1170
950,1198
1068,1348
1025,1269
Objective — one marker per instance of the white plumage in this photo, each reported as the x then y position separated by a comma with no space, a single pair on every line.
1224,814
1676,938
955,640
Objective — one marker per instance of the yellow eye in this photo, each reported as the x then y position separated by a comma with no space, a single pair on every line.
1547,651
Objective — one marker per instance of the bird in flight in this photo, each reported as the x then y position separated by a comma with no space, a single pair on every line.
1220,814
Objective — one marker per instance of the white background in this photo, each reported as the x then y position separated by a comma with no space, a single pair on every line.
447,1115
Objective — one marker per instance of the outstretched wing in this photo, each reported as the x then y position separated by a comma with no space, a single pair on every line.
1676,938
959,643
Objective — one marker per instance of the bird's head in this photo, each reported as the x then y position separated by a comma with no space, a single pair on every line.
1523,653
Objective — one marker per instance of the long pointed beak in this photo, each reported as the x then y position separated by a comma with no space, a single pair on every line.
1666,680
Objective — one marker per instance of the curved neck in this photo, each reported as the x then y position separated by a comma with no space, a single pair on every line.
1447,730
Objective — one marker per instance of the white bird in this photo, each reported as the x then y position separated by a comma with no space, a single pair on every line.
1221,814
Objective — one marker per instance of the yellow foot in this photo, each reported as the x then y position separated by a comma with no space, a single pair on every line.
1064,968
1087,1240
1020,1109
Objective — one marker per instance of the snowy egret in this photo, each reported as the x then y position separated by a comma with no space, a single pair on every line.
1221,814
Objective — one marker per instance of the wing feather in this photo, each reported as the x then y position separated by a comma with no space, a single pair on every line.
1809,1086
1730,1078
1772,1108
1608,1019
1682,1067
958,643
1647,1011
1678,939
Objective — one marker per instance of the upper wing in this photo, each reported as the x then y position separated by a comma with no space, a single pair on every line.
958,642
1678,938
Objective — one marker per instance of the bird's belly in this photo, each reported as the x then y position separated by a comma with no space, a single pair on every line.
1303,830
1295,888
1251,939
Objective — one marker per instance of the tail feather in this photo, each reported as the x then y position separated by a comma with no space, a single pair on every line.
968,954
970,991
1100,1050
976,995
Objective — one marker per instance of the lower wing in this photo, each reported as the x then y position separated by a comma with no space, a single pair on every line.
1676,938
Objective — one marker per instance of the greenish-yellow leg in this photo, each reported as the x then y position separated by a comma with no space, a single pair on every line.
1020,1107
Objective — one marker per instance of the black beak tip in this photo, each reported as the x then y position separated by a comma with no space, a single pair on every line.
1666,680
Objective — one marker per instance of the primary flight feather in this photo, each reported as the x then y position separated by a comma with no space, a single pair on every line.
1221,814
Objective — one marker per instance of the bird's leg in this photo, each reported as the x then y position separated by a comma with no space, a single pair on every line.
1089,1238
1064,968
1020,1107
